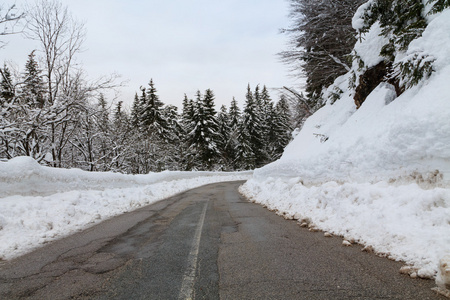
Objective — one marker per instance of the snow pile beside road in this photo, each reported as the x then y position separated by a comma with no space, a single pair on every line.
24,176
40,204
381,174
403,222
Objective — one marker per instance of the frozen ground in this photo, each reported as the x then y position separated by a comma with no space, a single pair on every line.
40,204
378,175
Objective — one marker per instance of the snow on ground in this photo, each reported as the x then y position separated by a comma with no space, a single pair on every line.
379,175
40,204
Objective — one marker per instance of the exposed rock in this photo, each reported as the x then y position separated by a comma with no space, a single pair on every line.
371,79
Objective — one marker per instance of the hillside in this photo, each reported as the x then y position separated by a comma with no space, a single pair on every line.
375,167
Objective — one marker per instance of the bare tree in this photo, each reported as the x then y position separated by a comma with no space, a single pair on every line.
9,19
67,91
60,37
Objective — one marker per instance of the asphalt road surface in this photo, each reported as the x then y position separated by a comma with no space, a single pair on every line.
207,243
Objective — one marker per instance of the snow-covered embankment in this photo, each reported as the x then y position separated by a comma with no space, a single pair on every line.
40,204
378,175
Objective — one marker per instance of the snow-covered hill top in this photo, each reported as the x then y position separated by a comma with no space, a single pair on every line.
380,174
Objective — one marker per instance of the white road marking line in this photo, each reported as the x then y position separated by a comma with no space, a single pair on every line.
189,275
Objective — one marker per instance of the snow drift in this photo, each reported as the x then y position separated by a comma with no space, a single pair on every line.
379,174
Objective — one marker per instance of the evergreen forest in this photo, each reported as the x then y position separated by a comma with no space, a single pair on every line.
87,132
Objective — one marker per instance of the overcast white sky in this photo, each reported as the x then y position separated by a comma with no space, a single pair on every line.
184,46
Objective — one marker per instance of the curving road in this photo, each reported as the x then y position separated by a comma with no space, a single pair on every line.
207,243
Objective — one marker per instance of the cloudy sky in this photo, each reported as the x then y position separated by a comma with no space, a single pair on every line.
184,46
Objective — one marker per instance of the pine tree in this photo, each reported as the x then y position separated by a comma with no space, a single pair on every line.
151,117
234,117
251,129
211,135
175,129
33,89
27,134
208,105
266,116
171,149
257,97
234,114
245,156
281,132
401,21
188,111
136,112
225,136
203,133
6,86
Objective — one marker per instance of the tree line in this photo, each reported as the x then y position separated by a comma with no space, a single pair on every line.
201,138
150,137
50,111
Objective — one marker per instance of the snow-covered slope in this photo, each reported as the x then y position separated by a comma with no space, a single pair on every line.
380,174
39,204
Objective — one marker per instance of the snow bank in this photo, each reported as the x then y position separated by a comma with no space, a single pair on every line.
381,174
403,222
40,204
24,176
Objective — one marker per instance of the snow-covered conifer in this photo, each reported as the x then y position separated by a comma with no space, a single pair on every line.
203,133
234,114
6,85
33,89
281,130
251,129
225,133
151,117
136,112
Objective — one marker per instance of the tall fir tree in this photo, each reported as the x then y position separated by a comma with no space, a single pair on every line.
172,149
257,97
151,117
251,129
234,117
266,118
224,142
188,111
281,133
234,114
203,133
245,156
6,85
33,88
136,112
